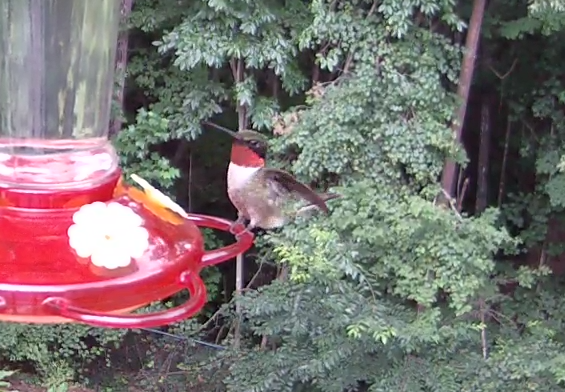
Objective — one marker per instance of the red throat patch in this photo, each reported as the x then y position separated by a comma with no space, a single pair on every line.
244,156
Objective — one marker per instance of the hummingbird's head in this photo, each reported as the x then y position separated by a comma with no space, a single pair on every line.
254,141
249,148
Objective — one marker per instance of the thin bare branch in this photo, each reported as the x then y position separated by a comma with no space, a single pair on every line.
502,183
461,196
238,68
483,330
502,77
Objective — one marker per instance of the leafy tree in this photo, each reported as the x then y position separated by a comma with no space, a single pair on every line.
394,290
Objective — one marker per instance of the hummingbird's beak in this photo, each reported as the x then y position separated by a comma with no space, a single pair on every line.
223,129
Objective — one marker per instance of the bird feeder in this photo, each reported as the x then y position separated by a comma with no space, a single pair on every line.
76,243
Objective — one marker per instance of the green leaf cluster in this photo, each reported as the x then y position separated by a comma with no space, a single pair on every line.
391,291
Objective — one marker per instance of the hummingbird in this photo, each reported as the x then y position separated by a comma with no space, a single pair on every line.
262,195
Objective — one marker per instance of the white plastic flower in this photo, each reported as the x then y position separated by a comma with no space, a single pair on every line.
110,234
158,196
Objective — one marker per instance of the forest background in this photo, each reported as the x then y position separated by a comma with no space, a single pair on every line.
441,122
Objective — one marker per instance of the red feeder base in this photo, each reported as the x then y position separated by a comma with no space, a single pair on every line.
44,280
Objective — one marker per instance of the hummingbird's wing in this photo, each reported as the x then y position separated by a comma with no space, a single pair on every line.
282,184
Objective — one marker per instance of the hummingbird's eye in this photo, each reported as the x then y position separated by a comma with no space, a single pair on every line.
254,143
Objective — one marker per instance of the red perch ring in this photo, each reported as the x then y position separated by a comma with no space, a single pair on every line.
48,275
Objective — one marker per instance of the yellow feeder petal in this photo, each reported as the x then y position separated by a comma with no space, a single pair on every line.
155,201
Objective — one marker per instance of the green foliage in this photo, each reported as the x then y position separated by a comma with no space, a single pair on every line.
549,14
382,129
135,144
55,350
391,291
4,374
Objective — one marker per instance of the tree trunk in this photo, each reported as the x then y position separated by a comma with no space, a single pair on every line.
449,177
483,166
121,64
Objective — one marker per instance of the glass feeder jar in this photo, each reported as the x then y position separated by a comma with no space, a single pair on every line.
57,79
67,220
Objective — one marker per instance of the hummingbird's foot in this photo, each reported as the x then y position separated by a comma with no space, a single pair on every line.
233,227
248,229
240,233
238,222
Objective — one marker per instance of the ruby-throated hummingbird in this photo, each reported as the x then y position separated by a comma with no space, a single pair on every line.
264,195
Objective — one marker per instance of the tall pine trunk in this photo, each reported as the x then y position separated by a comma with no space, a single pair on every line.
121,64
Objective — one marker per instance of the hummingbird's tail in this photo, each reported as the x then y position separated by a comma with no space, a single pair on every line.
311,208
329,196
